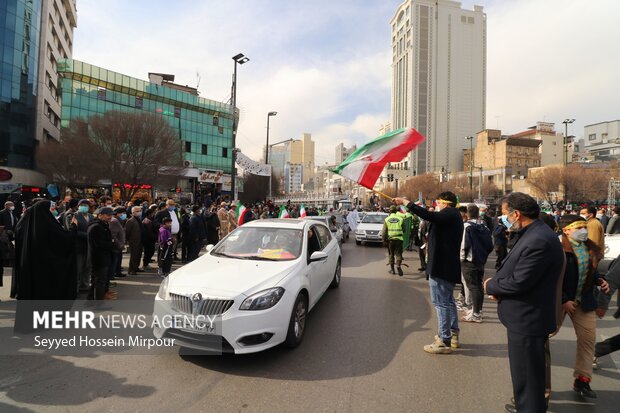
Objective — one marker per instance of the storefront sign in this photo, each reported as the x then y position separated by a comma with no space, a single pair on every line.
9,188
210,176
5,175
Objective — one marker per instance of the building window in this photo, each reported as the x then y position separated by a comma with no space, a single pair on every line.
216,121
188,146
592,137
204,149
224,152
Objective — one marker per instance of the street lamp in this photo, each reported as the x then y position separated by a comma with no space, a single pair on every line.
270,114
566,122
238,59
471,165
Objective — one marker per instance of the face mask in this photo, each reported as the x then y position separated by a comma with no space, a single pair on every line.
580,235
137,214
54,212
171,209
599,216
123,217
12,208
482,214
584,217
505,221
83,209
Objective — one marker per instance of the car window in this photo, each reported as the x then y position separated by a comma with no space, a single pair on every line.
324,235
374,219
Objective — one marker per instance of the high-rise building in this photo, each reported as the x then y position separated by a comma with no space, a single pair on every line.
438,79
301,152
35,35
343,152
293,175
58,20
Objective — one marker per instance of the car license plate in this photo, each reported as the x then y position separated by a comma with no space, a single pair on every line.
198,326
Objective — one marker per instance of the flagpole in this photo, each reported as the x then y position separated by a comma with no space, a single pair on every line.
383,195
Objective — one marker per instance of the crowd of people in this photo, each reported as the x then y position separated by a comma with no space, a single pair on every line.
546,269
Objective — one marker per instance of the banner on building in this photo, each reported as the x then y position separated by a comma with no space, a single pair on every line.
253,167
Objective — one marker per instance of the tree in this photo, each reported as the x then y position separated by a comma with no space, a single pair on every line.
546,181
124,148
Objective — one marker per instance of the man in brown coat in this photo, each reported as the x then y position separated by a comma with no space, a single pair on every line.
133,235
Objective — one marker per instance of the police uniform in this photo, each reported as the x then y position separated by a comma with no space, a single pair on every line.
393,236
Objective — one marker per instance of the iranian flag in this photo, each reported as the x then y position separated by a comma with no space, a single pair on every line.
302,211
403,209
241,213
284,213
365,164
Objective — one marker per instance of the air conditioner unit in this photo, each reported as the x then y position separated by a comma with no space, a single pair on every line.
188,164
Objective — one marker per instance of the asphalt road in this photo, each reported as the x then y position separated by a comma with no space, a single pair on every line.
362,352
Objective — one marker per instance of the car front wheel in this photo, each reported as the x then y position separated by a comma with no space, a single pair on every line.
337,275
297,324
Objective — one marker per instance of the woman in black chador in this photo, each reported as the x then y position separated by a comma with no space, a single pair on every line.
44,257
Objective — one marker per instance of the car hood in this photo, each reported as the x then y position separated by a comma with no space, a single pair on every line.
364,226
228,277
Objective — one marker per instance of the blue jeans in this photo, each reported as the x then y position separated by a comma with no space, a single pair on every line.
442,297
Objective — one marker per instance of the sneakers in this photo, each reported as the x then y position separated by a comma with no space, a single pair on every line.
438,347
582,386
617,314
472,317
454,340
400,271
595,365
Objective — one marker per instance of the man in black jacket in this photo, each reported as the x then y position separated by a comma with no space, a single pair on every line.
8,218
525,286
443,268
100,253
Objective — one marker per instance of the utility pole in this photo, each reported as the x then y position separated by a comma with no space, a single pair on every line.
471,165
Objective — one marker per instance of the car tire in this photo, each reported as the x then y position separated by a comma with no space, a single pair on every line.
337,276
297,324
358,242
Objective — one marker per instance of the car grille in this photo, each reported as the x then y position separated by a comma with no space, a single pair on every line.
372,232
209,306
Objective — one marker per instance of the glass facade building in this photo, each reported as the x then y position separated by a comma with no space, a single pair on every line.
204,126
20,22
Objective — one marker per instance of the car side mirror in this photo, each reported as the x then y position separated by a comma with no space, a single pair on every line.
318,256
209,247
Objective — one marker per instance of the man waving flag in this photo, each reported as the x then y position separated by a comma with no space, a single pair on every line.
302,211
365,164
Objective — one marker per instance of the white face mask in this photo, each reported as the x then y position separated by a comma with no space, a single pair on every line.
12,208
580,235
584,217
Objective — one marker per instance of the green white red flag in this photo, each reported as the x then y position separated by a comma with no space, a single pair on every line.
241,213
284,213
364,166
302,211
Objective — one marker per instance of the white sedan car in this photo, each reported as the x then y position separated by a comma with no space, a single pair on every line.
258,284
371,228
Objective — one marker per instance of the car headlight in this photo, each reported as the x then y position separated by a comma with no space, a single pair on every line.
163,288
263,300
359,232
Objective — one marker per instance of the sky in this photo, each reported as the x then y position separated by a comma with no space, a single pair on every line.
324,66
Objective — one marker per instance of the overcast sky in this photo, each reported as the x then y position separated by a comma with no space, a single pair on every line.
324,65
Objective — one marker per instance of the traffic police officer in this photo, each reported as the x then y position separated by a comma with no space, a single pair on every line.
393,237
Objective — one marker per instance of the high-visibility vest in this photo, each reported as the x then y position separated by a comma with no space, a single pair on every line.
394,224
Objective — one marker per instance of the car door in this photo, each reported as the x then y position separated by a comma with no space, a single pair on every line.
316,269
328,246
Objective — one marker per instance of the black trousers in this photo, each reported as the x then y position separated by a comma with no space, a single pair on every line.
608,346
527,369
422,254
149,250
501,252
473,275
99,282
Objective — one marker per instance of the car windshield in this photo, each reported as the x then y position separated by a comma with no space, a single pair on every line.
374,219
261,244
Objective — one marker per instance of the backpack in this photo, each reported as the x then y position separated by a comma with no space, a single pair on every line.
478,239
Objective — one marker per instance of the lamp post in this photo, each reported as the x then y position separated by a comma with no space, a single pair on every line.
566,122
269,149
471,165
270,114
238,59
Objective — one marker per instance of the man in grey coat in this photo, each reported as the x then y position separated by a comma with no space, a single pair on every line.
118,241
133,235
